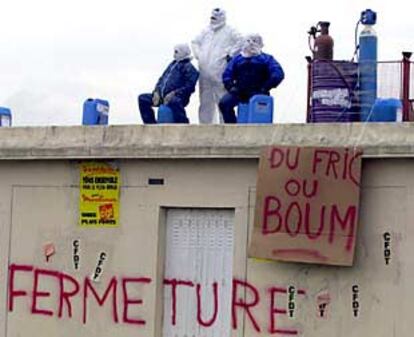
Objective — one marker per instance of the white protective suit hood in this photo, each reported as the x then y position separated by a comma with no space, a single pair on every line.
252,45
211,48
217,19
181,52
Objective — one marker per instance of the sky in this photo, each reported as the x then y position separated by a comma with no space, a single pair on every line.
56,54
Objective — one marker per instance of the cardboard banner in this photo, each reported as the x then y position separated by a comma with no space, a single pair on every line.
99,195
307,203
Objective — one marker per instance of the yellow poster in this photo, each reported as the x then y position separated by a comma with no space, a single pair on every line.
99,195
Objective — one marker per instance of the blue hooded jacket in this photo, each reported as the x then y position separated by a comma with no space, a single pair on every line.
248,76
181,77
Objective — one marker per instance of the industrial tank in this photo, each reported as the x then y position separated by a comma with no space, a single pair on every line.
334,92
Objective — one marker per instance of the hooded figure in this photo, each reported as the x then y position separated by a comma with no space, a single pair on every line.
250,73
213,48
173,88
252,45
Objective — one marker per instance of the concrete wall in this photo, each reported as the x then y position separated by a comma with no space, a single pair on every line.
39,204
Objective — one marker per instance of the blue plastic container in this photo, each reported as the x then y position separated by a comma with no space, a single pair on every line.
243,113
261,109
386,110
258,111
5,117
165,115
95,112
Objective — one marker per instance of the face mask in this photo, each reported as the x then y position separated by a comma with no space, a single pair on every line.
181,52
252,46
217,19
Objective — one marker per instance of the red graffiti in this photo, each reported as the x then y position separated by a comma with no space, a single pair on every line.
279,156
332,164
295,218
315,254
64,295
348,221
128,301
274,310
112,286
12,291
116,294
37,293
211,321
69,287
294,187
307,198
174,283
240,302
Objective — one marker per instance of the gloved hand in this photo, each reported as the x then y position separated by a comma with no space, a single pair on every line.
156,99
228,58
234,91
169,97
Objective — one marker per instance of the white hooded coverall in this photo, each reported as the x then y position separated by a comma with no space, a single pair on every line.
212,48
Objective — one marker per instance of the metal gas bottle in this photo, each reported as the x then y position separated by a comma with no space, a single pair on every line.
368,56
324,43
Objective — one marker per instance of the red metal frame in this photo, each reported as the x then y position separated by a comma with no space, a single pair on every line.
407,102
405,87
308,97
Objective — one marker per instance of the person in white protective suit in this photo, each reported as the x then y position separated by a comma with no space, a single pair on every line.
213,48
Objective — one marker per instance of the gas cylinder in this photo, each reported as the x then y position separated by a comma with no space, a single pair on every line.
368,56
323,46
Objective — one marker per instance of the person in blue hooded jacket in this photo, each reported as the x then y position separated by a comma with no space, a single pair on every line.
250,73
173,88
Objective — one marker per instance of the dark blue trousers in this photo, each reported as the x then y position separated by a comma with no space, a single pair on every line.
175,104
226,105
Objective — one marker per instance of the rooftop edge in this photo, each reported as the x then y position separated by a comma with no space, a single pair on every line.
198,141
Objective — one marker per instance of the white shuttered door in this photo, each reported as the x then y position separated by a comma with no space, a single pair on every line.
199,252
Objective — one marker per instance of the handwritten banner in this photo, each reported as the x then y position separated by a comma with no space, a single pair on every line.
99,195
307,203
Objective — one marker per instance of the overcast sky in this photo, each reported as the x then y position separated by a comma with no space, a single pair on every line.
55,54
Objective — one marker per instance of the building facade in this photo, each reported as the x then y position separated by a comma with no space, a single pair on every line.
177,265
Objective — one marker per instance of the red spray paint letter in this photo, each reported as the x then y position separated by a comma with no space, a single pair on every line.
37,293
278,156
278,311
65,295
13,268
128,301
174,283
271,209
211,321
112,286
243,304
350,219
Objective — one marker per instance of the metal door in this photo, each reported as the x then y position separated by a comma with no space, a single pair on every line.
199,259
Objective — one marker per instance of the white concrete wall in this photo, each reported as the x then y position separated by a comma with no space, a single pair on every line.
39,204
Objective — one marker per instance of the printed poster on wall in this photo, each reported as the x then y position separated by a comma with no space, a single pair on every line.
99,195
307,203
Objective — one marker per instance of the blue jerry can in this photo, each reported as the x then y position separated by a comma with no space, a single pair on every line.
5,116
242,113
165,115
261,109
95,112
386,110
